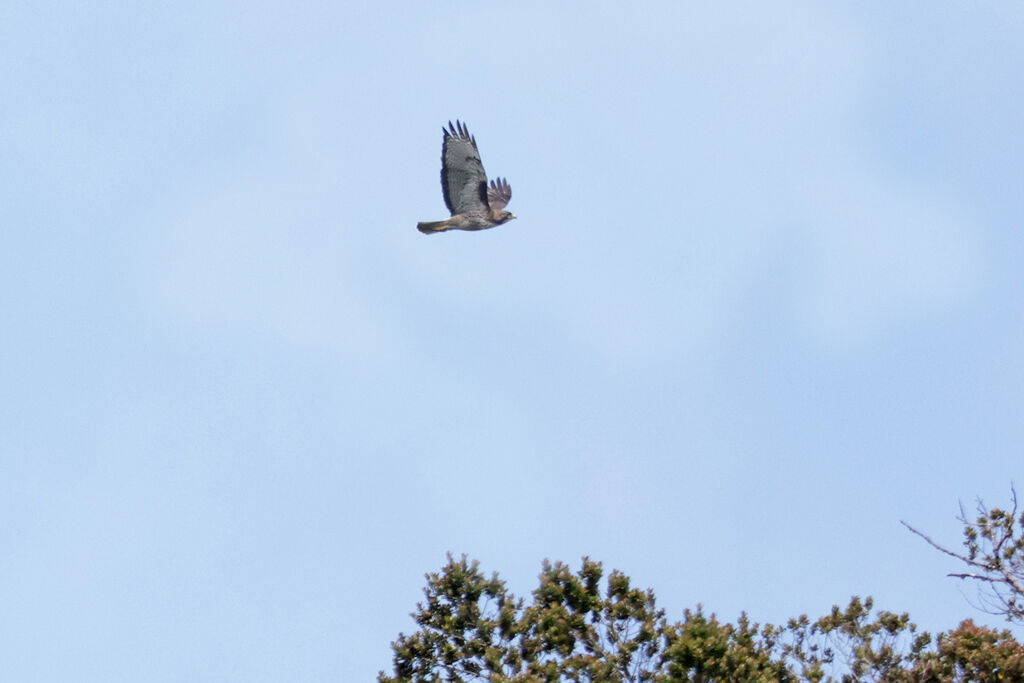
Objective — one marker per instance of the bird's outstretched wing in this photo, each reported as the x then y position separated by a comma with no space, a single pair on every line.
463,180
499,193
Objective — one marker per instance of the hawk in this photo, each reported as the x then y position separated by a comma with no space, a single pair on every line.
473,204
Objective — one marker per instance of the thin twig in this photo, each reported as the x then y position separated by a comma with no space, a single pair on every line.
935,545
979,577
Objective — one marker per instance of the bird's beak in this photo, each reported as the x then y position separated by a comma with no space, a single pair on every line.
513,216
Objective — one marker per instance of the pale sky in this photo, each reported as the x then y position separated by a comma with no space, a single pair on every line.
763,300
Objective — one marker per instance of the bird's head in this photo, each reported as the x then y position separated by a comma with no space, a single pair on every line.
507,216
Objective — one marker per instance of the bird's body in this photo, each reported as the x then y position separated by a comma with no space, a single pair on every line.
473,204
463,221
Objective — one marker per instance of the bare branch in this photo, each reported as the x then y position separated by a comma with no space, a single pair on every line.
979,577
995,548
962,558
1012,580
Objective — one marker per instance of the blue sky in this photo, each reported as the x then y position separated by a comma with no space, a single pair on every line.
763,300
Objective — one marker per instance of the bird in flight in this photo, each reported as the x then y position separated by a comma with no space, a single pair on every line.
473,203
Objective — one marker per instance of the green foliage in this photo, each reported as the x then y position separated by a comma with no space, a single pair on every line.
700,648
589,637
473,629
971,653
580,627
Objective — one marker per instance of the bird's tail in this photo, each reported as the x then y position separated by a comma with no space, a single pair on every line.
436,226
